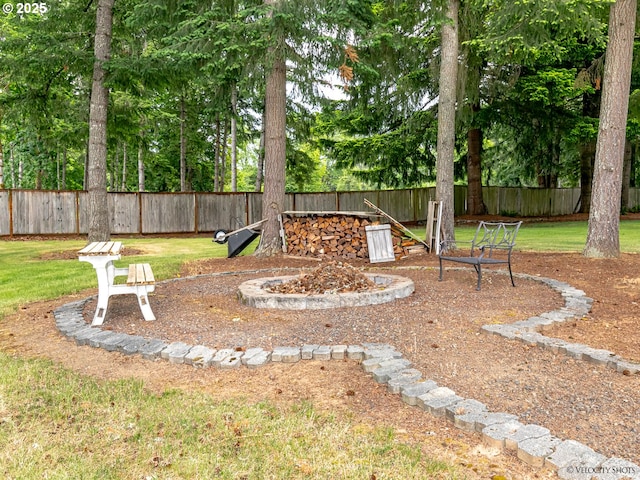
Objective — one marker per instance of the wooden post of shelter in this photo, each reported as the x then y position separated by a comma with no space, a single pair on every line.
434,220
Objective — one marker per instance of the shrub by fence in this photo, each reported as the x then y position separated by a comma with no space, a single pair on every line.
37,212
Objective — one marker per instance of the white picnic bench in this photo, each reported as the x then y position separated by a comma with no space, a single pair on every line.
140,280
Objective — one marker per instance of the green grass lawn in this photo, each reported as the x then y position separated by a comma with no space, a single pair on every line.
559,236
25,277
58,424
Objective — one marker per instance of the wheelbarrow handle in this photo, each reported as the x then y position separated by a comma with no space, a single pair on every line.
222,238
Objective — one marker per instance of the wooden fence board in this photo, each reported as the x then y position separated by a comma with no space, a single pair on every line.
44,212
459,199
530,202
354,201
5,221
396,203
314,202
125,212
50,212
420,202
634,198
565,200
254,205
511,200
168,213
124,208
490,198
221,211
83,212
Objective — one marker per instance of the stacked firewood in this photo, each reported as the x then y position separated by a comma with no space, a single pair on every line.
334,236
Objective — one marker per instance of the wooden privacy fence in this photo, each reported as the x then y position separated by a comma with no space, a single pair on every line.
37,212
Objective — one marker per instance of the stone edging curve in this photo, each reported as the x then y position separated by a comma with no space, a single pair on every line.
577,304
532,443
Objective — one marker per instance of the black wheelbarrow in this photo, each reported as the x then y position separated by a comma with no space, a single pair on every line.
239,239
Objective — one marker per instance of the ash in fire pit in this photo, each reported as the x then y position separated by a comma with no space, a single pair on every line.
330,286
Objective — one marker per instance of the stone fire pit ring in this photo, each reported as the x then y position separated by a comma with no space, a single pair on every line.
254,293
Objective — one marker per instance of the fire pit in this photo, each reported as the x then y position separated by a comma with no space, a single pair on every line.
330,286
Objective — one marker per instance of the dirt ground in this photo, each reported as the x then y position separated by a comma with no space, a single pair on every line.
438,328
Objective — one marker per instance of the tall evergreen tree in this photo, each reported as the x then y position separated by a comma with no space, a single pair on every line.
384,131
471,78
603,239
447,117
99,229
275,141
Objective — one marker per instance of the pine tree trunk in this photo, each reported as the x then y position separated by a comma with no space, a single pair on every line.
447,119
273,197
587,157
12,163
216,157
141,186
234,139
39,179
557,150
113,178
260,167
99,229
183,146
64,169
223,155
1,165
123,185
275,115
603,239
626,177
475,203
20,172
1,159
85,178
587,149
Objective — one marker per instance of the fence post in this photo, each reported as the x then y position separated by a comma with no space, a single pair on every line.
77,202
11,213
139,195
195,212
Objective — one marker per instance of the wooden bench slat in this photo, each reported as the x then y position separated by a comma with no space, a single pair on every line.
131,278
140,274
101,248
91,248
148,274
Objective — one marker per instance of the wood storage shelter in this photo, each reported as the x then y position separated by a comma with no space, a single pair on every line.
335,234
